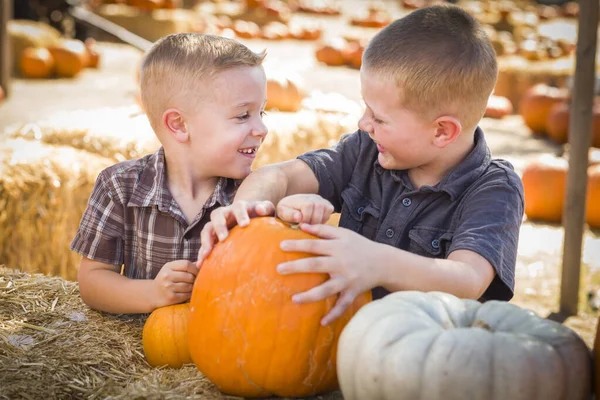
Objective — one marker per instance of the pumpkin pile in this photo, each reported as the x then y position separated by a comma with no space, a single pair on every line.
544,183
414,345
546,112
318,7
246,335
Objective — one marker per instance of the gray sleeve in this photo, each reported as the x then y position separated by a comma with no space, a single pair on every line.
489,225
334,166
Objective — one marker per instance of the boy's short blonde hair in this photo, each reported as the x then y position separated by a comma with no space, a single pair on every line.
442,61
177,63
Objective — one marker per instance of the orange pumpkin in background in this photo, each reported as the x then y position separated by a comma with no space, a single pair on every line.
36,63
245,333
70,56
164,336
544,182
536,104
557,125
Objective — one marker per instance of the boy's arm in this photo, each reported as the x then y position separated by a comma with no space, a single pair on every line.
103,288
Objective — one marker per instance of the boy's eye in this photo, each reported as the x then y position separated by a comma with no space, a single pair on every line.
263,113
243,117
377,120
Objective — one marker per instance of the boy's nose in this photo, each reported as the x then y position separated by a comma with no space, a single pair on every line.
363,124
260,129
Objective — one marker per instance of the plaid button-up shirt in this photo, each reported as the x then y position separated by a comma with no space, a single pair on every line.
132,219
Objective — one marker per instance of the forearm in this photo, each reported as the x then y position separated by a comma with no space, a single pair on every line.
107,290
267,183
401,270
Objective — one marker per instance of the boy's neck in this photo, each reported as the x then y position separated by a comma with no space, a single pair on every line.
186,181
433,173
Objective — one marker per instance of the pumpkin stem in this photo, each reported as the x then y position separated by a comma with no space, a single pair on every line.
482,324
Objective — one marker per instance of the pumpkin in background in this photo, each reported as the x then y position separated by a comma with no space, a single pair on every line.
164,336
93,58
330,52
557,125
498,107
70,56
431,346
536,104
284,93
592,214
544,182
36,63
245,333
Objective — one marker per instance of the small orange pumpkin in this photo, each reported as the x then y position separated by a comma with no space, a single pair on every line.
536,104
36,63
245,333
544,182
330,52
284,94
498,107
164,336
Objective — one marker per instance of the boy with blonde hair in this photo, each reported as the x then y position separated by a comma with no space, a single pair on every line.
423,205
204,96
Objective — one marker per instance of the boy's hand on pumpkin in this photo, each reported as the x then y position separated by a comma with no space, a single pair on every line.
174,282
343,254
306,208
224,218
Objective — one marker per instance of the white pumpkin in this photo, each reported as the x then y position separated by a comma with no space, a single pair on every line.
433,346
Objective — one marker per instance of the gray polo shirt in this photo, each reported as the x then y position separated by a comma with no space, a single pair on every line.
477,206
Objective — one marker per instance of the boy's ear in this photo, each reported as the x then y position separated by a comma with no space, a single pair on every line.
175,124
448,129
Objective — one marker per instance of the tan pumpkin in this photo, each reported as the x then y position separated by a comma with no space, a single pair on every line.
36,63
70,56
245,333
536,104
283,93
544,182
164,336
431,346
592,214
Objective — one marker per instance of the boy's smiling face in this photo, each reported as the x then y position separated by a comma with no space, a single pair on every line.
225,124
404,139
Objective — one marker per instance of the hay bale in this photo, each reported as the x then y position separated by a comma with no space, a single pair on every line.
53,346
43,192
116,133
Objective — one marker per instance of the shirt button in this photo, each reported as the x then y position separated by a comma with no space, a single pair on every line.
406,202
360,210
389,233
435,244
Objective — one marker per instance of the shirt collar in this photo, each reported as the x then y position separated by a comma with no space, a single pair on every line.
151,188
460,177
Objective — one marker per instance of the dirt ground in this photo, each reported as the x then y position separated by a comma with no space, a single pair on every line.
539,259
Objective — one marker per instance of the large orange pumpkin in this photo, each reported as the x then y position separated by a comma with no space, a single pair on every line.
592,214
536,103
544,182
245,333
164,336
557,125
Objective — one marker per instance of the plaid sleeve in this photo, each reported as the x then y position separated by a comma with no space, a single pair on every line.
100,233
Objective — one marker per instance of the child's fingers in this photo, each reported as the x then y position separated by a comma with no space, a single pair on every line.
307,210
344,301
182,276
183,287
264,208
219,221
241,213
183,267
288,214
